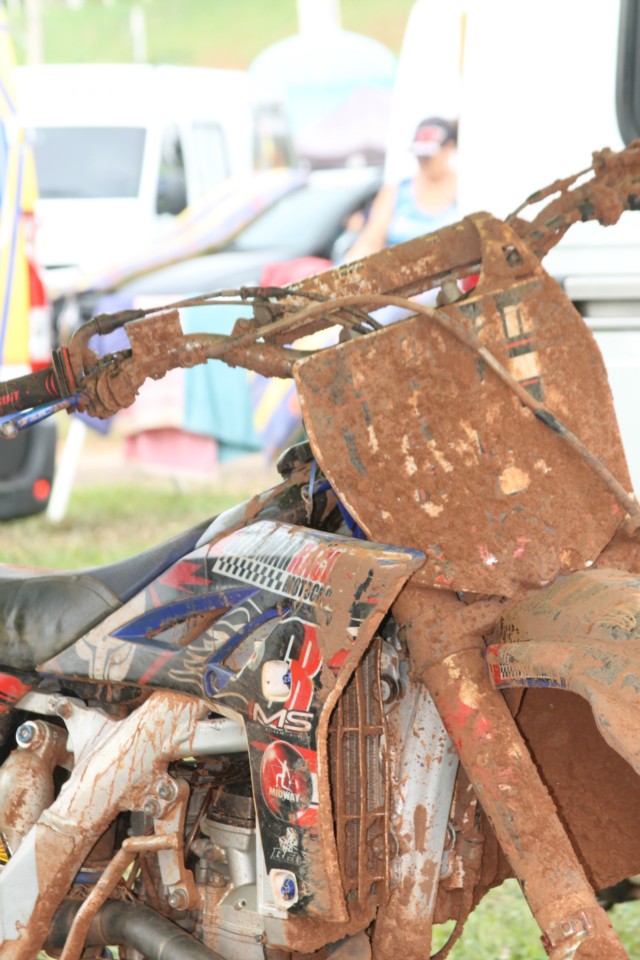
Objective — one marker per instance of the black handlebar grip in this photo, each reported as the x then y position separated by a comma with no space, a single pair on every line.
33,389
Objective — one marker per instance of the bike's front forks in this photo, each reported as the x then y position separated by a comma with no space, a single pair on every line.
507,783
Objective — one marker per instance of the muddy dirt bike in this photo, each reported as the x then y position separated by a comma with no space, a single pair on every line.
343,711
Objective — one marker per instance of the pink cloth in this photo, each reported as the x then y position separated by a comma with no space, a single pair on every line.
290,271
174,451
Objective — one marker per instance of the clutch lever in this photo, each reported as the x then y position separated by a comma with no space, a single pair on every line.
11,426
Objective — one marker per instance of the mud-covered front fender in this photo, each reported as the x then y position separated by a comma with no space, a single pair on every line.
573,651
580,634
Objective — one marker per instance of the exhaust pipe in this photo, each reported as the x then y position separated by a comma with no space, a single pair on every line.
119,922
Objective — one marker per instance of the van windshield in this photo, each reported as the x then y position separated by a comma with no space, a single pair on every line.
88,162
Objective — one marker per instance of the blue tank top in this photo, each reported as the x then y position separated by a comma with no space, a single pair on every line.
408,221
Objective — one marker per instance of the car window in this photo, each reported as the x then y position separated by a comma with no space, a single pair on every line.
172,182
272,143
210,161
628,76
302,215
83,162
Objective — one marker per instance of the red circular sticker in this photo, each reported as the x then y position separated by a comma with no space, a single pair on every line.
286,781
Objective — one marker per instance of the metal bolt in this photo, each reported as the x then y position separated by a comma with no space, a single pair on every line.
151,807
389,688
167,790
178,899
240,904
63,709
209,851
378,847
25,733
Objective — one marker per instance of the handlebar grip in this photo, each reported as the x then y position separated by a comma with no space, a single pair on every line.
28,391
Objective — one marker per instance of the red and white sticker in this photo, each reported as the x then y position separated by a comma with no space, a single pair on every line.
286,781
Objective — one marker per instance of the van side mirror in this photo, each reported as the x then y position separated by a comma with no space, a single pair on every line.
172,193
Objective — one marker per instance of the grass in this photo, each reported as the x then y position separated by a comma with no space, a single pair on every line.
220,33
502,928
106,524
118,507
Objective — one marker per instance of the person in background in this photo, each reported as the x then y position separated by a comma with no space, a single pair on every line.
419,204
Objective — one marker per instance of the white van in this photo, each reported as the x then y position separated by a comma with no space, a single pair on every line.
120,148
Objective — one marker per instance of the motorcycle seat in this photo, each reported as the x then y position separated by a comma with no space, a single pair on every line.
43,612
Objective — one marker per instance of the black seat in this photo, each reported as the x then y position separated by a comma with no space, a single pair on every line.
42,613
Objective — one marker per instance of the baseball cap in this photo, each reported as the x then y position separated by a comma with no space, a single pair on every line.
431,135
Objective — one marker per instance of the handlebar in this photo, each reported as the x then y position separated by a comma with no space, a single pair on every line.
31,390
104,385
45,392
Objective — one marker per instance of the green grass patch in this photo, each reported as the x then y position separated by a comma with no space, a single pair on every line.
502,928
224,33
108,523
